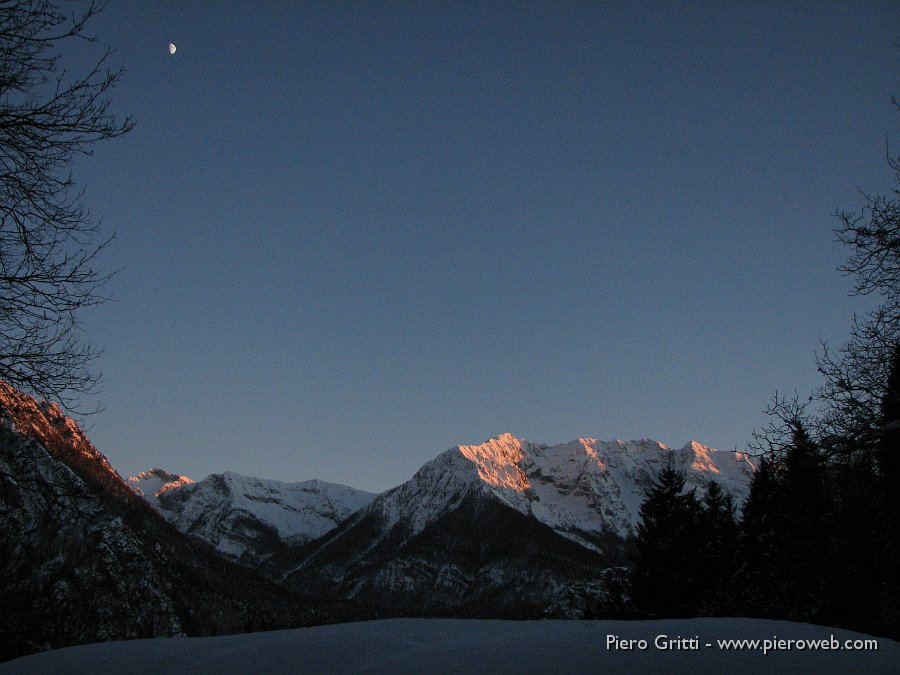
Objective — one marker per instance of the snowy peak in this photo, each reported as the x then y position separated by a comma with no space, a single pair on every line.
504,521
700,457
731,469
248,518
154,482
585,487
314,498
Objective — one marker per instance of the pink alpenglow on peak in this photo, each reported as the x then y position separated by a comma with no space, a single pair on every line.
587,485
497,461
154,482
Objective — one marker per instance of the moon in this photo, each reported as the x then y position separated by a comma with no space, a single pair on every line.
172,48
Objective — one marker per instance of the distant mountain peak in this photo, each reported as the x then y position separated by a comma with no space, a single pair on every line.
244,517
154,482
701,457
162,474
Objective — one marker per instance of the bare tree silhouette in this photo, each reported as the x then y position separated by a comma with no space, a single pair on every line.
48,239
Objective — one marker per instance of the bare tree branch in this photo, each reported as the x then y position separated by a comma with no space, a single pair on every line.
857,374
48,238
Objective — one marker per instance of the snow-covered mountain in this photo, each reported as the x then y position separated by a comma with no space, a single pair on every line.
150,484
248,518
503,522
582,487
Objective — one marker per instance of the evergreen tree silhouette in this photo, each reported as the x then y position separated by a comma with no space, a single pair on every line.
718,535
758,581
806,515
665,581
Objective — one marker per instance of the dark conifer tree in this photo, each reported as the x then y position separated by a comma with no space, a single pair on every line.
758,582
856,531
665,581
807,536
718,534
886,554
787,538
887,451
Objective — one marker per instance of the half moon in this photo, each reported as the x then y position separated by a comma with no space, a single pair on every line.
172,48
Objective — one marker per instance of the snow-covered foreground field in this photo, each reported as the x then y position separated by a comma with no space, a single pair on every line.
472,646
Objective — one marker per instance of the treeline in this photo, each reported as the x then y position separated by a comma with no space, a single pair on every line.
818,539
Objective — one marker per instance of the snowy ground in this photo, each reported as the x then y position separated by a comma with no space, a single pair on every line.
468,646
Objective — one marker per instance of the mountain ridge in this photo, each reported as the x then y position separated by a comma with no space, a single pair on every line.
155,481
584,489
574,485
246,518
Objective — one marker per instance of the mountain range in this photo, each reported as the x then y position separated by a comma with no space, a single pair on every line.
583,490
506,528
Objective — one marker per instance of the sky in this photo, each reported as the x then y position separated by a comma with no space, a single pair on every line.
352,235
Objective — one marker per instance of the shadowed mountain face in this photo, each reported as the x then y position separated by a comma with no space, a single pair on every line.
83,559
480,559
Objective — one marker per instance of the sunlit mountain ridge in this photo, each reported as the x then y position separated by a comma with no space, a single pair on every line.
583,487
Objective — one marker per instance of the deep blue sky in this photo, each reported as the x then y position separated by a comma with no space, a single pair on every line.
356,234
